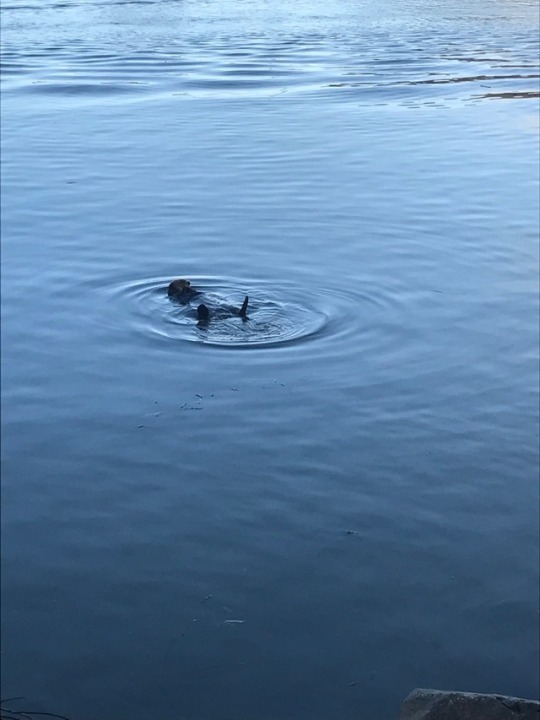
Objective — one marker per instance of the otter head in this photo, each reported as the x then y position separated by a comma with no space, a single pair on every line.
179,288
182,284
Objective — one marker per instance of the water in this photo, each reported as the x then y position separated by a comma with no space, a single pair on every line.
352,473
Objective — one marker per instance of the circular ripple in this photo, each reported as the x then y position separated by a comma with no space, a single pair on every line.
277,315
274,316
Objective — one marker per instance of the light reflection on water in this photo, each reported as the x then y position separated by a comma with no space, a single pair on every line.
353,473
268,51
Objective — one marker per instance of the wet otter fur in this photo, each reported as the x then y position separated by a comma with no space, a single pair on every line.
204,315
181,290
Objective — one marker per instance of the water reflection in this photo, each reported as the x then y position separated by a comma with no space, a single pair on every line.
512,95
246,59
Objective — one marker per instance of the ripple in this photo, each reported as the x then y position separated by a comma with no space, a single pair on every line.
364,67
83,89
277,315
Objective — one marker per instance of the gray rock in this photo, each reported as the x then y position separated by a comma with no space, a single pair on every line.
440,705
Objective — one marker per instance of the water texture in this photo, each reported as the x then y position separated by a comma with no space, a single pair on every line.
404,53
307,514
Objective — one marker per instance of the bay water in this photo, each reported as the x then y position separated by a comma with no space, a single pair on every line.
310,513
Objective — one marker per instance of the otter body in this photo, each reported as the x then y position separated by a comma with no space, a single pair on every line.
204,315
181,291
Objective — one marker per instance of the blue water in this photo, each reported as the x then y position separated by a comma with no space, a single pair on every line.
353,472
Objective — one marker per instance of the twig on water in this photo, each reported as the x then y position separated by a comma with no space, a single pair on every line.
10,714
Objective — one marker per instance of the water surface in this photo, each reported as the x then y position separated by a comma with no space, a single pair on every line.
353,473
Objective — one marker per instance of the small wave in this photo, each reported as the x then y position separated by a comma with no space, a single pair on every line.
512,95
82,89
371,69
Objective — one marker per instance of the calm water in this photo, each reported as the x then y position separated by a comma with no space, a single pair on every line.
306,515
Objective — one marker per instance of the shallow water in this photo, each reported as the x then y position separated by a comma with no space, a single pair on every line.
352,473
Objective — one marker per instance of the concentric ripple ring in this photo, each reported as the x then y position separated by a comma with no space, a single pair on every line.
277,314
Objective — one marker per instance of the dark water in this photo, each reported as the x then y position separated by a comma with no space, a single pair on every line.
353,473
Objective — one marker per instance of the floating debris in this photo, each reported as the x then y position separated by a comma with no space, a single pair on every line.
12,714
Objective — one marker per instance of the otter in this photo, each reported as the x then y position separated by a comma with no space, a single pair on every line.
182,291
203,313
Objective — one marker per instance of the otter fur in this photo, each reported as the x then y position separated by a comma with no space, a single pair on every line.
181,290
204,315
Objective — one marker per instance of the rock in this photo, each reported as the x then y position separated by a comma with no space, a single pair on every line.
440,705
